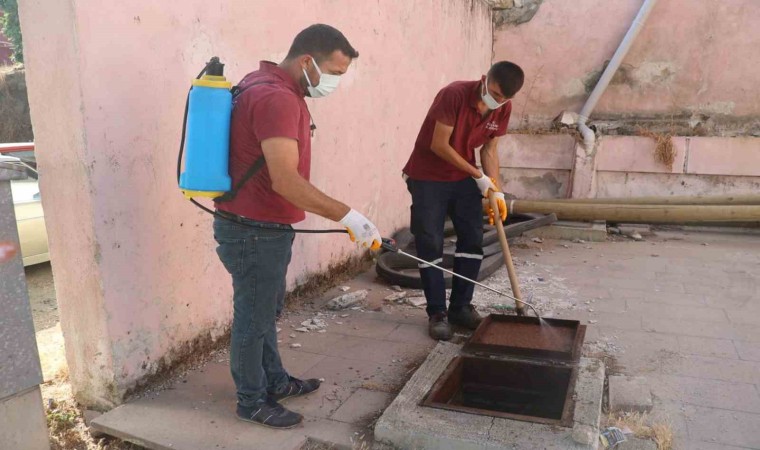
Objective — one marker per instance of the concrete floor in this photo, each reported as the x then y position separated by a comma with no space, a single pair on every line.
680,309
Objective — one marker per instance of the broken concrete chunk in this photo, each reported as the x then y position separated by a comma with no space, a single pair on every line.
397,288
314,324
567,118
636,237
302,329
416,301
344,288
537,240
578,241
395,297
295,345
346,300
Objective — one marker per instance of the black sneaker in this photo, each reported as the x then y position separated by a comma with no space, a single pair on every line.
438,327
465,316
270,414
294,388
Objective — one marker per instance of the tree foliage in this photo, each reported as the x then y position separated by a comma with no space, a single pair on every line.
11,27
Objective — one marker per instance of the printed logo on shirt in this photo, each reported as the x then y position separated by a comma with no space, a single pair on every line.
492,126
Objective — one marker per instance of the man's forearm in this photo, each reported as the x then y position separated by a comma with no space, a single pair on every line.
448,154
305,196
489,159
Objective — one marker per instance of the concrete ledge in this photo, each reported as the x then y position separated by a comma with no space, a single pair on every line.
592,232
405,424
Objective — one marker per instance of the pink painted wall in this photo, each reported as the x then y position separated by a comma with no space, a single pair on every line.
134,262
689,57
539,166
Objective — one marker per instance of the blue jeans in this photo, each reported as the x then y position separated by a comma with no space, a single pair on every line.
257,259
432,201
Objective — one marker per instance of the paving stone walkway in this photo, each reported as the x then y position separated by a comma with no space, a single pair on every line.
681,310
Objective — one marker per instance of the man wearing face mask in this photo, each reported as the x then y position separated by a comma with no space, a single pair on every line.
444,181
270,119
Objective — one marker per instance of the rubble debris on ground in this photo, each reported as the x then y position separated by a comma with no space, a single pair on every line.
314,323
396,297
417,302
347,300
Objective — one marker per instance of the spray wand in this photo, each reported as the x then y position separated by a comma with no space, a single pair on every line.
390,245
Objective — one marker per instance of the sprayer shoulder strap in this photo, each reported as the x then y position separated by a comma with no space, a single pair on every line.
255,167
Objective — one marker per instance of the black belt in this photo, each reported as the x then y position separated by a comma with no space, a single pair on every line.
231,216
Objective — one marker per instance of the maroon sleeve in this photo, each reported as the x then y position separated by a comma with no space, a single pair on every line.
446,105
276,115
504,120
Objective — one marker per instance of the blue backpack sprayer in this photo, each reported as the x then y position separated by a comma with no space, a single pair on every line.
206,126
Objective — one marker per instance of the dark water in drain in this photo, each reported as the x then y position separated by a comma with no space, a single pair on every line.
512,400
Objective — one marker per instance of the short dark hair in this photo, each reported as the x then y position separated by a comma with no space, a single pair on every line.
320,41
509,76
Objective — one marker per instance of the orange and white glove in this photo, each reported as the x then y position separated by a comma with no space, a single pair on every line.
502,205
361,230
485,184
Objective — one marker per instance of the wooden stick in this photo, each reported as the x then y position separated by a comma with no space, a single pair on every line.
670,200
519,308
673,214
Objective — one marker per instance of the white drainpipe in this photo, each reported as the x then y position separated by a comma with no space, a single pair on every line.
589,138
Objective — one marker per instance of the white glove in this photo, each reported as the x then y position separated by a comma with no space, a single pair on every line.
485,184
361,230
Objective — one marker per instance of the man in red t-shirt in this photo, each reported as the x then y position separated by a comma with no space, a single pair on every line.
270,120
443,179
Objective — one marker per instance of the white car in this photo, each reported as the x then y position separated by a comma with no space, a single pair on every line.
30,218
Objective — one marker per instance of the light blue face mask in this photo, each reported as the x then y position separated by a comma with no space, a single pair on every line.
327,83
488,99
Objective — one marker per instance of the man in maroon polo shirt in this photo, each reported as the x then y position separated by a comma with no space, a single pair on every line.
443,179
270,120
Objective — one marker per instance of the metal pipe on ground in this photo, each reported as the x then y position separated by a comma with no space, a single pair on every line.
672,200
665,214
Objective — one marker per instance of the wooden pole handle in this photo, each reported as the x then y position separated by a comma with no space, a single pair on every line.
507,255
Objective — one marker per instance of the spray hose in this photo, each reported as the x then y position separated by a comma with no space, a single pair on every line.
211,211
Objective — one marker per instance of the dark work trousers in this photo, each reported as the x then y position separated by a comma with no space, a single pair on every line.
432,201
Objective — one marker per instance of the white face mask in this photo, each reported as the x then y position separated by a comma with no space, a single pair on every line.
488,99
327,83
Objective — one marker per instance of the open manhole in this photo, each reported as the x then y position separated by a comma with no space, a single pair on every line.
515,368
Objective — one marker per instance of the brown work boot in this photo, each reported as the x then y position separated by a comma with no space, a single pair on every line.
465,316
438,327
